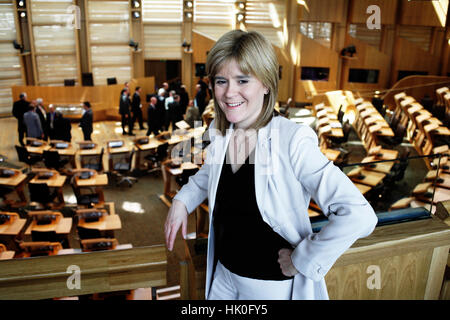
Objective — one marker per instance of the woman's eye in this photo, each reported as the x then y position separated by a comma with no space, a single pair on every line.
219,82
243,81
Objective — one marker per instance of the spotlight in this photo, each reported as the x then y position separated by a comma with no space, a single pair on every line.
241,5
189,15
136,14
189,4
21,3
136,4
240,17
23,14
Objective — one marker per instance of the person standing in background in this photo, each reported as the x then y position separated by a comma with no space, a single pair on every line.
86,122
184,98
152,117
18,110
42,116
136,108
124,110
32,122
51,115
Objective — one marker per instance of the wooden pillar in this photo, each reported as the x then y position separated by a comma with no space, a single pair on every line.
395,46
340,31
293,43
82,38
24,38
187,73
137,35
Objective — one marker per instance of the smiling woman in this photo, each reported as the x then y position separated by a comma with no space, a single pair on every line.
260,242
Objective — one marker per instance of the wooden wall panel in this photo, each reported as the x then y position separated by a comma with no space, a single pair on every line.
104,99
323,10
358,10
402,277
368,57
409,56
201,46
424,13
313,54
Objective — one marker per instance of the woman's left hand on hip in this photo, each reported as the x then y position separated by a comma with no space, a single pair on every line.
285,261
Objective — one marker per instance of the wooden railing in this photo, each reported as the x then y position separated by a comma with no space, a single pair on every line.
84,273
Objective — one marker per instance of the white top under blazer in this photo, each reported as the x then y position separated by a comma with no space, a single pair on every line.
290,169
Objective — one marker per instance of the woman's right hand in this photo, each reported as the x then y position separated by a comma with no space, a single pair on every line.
176,217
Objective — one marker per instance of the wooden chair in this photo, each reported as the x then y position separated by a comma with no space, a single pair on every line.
40,248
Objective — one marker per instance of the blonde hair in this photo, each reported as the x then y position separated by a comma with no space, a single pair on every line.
254,55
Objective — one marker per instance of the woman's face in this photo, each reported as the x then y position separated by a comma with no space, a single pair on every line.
240,96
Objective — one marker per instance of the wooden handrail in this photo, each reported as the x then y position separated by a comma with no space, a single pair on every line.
100,271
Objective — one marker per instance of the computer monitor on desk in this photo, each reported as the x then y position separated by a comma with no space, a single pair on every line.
115,144
91,215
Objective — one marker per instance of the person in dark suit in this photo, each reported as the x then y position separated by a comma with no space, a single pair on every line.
50,128
175,111
86,121
161,109
42,116
200,97
124,110
184,98
152,117
136,108
18,110
62,128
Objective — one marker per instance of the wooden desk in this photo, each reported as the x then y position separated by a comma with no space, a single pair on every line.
387,132
386,154
331,154
362,188
59,225
90,152
6,255
68,152
168,174
383,167
17,181
56,181
13,226
370,178
144,149
36,149
99,180
431,176
105,223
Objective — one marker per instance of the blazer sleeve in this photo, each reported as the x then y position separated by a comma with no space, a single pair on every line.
195,191
349,214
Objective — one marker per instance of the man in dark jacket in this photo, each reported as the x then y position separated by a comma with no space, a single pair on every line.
175,111
86,121
62,128
42,116
51,116
19,108
136,108
124,110
152,117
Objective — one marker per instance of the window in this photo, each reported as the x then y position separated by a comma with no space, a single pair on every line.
361,32
319,31
406,73
363,75
315,73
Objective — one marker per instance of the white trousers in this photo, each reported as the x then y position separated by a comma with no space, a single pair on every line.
230,286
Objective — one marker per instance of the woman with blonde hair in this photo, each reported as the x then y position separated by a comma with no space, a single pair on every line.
260,173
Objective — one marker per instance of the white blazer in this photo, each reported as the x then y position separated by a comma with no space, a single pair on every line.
290,169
